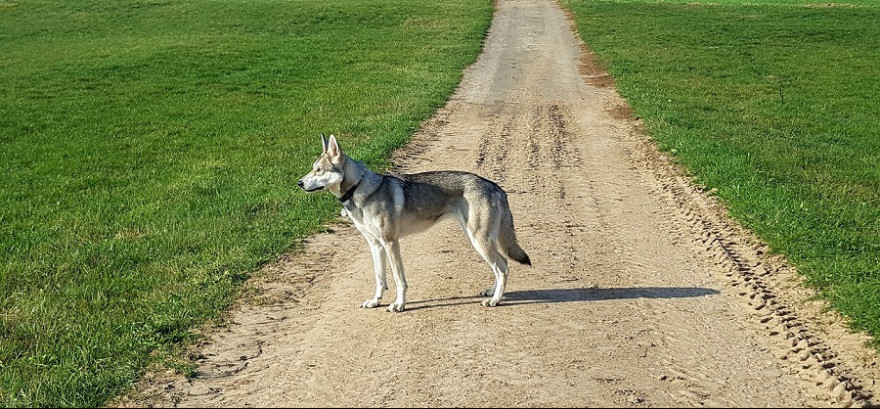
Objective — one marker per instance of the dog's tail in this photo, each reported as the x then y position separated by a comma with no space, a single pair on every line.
507,238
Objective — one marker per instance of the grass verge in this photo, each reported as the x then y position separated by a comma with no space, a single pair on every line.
774,104
149,151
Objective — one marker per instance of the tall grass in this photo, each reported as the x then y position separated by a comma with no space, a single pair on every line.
149,151
775,104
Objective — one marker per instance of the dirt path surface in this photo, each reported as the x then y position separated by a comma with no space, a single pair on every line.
641,294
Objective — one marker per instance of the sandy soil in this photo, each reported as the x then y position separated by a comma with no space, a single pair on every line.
642,293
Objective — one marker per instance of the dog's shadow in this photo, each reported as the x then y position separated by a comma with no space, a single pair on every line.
571,295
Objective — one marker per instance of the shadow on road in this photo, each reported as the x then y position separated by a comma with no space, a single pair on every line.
572,295
599,294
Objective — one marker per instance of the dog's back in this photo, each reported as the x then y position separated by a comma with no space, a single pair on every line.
477,203
427,190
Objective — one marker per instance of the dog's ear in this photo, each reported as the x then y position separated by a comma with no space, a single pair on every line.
324,143
333,148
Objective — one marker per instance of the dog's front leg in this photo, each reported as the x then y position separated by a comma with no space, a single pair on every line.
393,250
380,260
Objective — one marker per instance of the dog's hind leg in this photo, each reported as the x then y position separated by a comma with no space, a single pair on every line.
483,238
392,248
380,261
499,268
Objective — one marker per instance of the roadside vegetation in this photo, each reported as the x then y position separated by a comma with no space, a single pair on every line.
774,103
149,151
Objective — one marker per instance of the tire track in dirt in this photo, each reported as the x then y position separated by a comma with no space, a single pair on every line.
778,307
642,294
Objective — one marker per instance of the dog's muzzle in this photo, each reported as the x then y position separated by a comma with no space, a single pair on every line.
302,186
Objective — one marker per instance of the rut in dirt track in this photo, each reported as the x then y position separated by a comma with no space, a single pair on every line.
634,298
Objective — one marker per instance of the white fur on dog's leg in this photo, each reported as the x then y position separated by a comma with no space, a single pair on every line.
392,249
487,292
395,307
491,302
372,303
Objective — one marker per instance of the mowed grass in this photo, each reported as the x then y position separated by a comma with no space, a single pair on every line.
149,151
775,104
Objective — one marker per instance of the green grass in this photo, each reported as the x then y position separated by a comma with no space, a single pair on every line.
149,151
774,104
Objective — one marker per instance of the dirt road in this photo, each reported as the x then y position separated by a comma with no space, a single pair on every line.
641,294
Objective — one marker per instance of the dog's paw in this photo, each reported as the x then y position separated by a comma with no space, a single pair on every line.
395,307
372,303
487,292
491,302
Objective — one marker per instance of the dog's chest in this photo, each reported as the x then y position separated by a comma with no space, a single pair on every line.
365,224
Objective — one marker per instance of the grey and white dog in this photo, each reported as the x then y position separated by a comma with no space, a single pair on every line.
385,208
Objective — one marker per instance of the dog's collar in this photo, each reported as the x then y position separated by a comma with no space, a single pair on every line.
347,195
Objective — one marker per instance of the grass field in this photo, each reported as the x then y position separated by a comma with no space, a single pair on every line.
149,151
775,104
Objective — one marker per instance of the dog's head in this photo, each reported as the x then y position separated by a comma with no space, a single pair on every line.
327,172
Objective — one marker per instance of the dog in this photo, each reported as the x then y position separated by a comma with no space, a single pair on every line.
385,208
